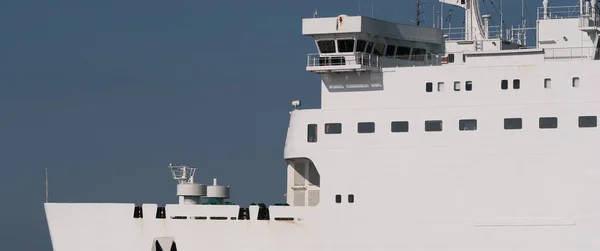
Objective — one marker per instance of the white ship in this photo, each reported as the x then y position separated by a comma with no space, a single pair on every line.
426,140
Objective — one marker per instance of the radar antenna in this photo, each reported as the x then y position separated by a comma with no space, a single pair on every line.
183,174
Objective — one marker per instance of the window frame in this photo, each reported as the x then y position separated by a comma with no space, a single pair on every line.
595,120
520,127
328,125
359,124
399,123
504,84
462,128
428,124
315,133
542,120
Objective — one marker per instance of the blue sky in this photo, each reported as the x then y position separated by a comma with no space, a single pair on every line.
107,93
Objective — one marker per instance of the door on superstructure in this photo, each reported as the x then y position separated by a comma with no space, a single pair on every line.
304,183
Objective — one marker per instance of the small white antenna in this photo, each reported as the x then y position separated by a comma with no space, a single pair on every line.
373,8
46,185
359,7
315,13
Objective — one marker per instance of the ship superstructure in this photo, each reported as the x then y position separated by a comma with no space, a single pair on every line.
427,139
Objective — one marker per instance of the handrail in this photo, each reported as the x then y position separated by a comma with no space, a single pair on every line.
362,59
459,33
583,53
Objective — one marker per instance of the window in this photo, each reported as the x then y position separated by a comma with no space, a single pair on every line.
361,45
548,123
504,84
400,126
369,47
312,133
433,126
456,85
378,50
588,121
389,51
513,123
333,128
469,86
467,125
450,58
440,86
418,54
338,198
326,46
366,127
575,82
350,198
547,83
403,52
345,45
516,84
429,87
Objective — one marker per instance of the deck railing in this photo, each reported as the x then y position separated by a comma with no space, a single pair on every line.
583,53
459,33
355,59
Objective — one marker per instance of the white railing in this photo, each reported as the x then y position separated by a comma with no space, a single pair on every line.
458,33
583,53
355,59
559,12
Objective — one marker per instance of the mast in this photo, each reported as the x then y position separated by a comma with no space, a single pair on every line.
418,13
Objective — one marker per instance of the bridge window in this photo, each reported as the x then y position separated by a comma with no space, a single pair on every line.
366,127
361,45
312,133
418,54
400,126
378,50
513,123
429,87
575,82
467,125
516,84
469,86
333,128
346,45
588,121
433,126
326,46
389,50
403,52
504,84
548,123
369,47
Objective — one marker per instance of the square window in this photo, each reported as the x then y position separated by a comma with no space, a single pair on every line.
468,86
588,121
456,85
575,82
338,198
433,126
547,83
350,198
548,123
429,87
333,128
504,84
312,133
440,86
513,123
516,84
467,125
400,126
366,127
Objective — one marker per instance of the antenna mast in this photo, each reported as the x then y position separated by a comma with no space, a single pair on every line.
46,185
418,13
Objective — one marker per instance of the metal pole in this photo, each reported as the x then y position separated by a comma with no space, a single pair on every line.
46,185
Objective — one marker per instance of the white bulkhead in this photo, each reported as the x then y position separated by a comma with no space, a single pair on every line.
427,139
